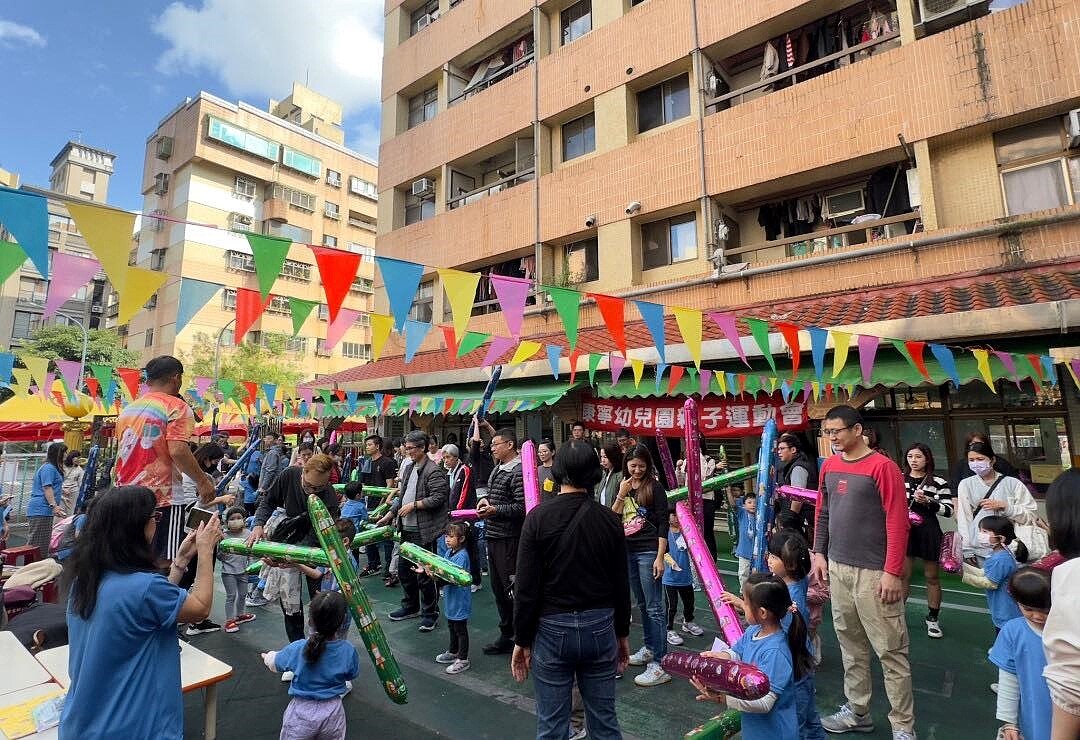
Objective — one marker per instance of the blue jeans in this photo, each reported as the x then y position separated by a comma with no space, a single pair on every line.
806,710
580,644
649,594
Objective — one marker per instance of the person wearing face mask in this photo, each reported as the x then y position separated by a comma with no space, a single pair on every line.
234,571
961,469
988,493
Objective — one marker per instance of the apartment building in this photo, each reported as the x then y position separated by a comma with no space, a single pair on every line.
79,172
215,170
904,168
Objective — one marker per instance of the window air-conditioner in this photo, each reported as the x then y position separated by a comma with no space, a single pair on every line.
164,147
423,186
931,10
844,203
423,22
246,220
1072,126
433,15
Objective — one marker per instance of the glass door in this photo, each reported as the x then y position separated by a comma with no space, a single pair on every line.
931,432
1039,448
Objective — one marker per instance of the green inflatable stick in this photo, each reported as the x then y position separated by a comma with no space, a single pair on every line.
371,536
277,550
720,727
440,567
712,484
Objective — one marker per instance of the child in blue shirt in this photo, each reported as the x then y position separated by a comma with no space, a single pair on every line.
1023,699
679,584
745,508
457,602
353,508
323,667
997,533
784,658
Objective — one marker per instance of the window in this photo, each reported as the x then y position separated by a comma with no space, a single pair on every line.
228,298
578,137
361,221
333,177
331,210
422,308
25,325
324,312
157,259
228,336
305,163
1036,174
292,196
278,304
288,231
356,350
295,270
33,290
582,263
296,344
669,101
149,340
576,21
668,241
418,207
243,139
362,285
320,348
244,188
161,183
367,252
361,187
420,18
240,261
423,107
363,319
329,240
241,222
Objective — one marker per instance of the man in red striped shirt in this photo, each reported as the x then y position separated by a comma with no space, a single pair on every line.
860,541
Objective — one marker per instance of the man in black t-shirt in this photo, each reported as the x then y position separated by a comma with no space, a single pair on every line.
379,471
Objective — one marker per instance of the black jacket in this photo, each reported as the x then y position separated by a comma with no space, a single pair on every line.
287,491
506,492
462,490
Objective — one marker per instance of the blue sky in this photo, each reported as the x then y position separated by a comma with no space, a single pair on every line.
108,71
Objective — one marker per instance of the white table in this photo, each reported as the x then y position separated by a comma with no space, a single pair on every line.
20,670
18,697
198,670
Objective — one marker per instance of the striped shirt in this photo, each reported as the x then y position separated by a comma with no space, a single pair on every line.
933,487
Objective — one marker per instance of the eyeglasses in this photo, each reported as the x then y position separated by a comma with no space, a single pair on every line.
411,448
781,448
500,442
158,516
833,432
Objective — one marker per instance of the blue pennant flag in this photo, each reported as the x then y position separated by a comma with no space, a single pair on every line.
415,332
1048,368
945,358
653,313
353,398
378,403
194,294
660,375
401,281
818,339
26,215
785,391
554,352
7,364
270,391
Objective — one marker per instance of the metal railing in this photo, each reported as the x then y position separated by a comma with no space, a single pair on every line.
490,189
16,480
818,241
502,74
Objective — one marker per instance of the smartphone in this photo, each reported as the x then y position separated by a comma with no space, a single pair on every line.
196,517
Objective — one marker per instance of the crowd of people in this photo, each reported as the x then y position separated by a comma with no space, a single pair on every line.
564,577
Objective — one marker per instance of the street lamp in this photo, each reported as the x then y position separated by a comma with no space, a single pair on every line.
217,348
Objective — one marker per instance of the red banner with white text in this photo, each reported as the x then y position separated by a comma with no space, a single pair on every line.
719,417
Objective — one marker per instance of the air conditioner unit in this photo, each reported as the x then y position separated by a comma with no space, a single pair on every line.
931,10
246,220
161,184
164,147
843,203
423,21
423,186
1072,126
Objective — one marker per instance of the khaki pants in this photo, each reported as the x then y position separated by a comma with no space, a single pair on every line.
862,622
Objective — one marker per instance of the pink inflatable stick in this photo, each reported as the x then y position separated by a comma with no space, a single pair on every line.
731,677
528,474
710,578
665,459
806,495
692,441
464,515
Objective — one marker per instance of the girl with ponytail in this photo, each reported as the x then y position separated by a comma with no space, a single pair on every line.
322,668
997,534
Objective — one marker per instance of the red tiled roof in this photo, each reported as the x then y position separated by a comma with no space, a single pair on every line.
950,295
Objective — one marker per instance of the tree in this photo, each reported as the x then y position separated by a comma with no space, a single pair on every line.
57,342
259,363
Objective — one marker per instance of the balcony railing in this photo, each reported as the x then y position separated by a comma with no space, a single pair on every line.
851,52
502,74
820,241
490,189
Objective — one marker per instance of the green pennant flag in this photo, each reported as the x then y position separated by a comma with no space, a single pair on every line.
594,362
227,387
103,374
692,372
760,331
325,395
269,253
300,310
471,341
566,304
12,258
898,345
753,385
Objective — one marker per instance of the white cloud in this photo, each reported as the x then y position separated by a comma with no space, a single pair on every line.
364,135
259,49
14,34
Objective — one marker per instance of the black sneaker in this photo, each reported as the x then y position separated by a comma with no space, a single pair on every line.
427,624
202,628
367,572
400,615
502,646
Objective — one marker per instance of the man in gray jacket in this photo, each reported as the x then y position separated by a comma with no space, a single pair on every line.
274,462
419,509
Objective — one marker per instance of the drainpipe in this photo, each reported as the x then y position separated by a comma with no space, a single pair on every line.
696,55
538,255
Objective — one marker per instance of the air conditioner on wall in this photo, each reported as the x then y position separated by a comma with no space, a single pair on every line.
844,203
931,10
164,147
1072,127
423,21
423,186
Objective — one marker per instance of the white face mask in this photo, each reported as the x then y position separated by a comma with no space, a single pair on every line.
980,467
984,538
236,524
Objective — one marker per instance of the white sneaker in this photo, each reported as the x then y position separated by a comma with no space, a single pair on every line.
653,675
445,658
458,666
287,677
903,734
692,629
933,629
845,720
641,657
994,687
673,638
580,734
475,587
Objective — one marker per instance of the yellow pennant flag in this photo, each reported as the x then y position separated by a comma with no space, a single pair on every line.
425,404
817,389
638,366
107,232
135,290
721,381
689,322
841,342
772,385
525,350
460,289
982,361
38,367
380,331
22,377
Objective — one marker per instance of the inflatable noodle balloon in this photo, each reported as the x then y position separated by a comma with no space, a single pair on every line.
720,727
715,483
368,490
693,462
710,578
667,463
528,475
731,677
363,614
764,492
806,495
277,550
440,567
377,513
489,390
371,536
464,515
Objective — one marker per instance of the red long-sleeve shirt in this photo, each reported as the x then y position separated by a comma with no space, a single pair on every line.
862,517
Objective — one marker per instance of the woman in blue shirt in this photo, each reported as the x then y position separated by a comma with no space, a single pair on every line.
45,498
122,616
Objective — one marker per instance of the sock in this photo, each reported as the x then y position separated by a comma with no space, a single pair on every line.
934,614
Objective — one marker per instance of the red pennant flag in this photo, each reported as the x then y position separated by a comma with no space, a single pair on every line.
1036,364
131,377
249,307
339,395
337,270
386,401
450,338
59,396
791,336
742,383
611,309
447,405
674,376
252,392
93,386
573,364
915,349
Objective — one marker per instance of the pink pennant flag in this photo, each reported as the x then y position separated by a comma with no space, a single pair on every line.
1006,359
202,385
616,363
512,293
49,379
807,391
867,351
414,401
704,378
69,273
306,395
69,371
499,346
726,322
346,318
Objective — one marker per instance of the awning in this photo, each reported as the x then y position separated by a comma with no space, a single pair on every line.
509,396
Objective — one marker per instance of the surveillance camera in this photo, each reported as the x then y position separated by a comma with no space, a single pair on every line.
633,207
590,221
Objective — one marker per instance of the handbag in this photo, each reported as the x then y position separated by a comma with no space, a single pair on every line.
1035,537
633,521
950,557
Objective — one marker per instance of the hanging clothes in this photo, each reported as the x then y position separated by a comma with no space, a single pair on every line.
789,51
771,219
771,63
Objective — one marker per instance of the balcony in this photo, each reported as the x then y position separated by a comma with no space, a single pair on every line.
467,79
484,173
276,209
